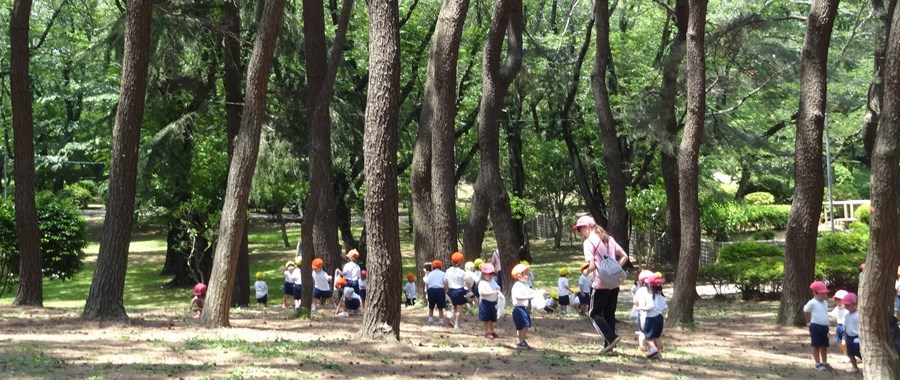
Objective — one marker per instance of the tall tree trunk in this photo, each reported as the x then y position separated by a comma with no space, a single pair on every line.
31,292
105,299
880,359
612,157
240,171
876,88
382,317
803,224
439,110
423,209
320,219
517,179
682,311
231,23
668,156
507,21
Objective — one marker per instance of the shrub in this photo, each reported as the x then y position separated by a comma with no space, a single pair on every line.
842,243
769,216
760,198
90,185
862,213
858,228
752,276
79,195
840,271
722,219
747,250
63,236
764,235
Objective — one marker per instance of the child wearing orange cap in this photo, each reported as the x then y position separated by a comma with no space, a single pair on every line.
816,313
321,281
350,301
521,296
351,270
455,283
410,289
851,330
436,288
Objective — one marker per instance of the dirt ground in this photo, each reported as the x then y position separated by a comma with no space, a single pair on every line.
730,340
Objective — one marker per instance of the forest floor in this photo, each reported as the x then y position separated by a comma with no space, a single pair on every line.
731,339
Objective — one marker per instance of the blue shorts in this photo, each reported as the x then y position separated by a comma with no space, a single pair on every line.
321,294
853,346
354,285
521,318
818,335
263,300
839,333
352,304
897,303
653,327
584,298
298,289
362,294
288,288
564,300
487,311
436,297
457,296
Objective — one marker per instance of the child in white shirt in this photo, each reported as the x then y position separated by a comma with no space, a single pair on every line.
838,313
564,291
455,283
288,290
521,296
651,305
435,292
321,284
851,330
487,307
584,290
410,289
262,290
350,302
816,313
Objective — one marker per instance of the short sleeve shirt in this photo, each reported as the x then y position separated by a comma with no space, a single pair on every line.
261,288
410,289
488,286
351,271
456,278
563,284
435,279
851,324
521,290
320,279
818,311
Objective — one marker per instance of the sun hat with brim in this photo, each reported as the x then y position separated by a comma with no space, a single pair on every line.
290,264
584,221
644,275
199,290
840,294
850,299
487,268
317,263
818,287
478,263
519,269
352,254
655,281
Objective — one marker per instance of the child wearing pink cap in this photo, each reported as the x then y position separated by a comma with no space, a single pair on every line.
487,307
838,313
816,313
851,330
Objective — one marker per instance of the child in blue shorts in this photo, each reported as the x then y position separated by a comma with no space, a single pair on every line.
521,296
288,289
816,313
487,307
838,313
851,330
435,292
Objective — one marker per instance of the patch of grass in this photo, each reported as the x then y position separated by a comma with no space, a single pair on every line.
27,358
557,360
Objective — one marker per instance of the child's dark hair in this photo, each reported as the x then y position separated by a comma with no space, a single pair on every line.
427,267
656,289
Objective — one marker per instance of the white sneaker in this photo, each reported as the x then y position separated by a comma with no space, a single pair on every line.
852,370
430,321
440,321
456,325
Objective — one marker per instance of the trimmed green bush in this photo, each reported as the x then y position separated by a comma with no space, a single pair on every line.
79,195
840,271
63,236
747,250
722,219
769,216
751,276
862,213
842,243
760,198
764,235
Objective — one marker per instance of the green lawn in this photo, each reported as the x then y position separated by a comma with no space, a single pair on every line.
145,288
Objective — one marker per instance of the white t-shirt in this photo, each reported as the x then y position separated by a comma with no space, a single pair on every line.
435,279
818,311
362,284
456,278
296,277
563,284
410,289
350,294
897,286
645,299
261,288
851,324
320,279
584,284
351,271
288,277
488,286
838,313
521,294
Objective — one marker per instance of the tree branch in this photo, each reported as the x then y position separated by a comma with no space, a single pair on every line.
409,13
667,7
49,25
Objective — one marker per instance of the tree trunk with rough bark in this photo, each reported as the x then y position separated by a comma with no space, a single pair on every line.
876,88
320,219
612,157
382,316
31,291
105,299
507,22
880,360
240,171
682,310
803,224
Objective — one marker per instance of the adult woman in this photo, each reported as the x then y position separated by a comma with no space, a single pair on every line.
597,246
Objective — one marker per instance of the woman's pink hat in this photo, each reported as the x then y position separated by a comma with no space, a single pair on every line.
584,221
818,287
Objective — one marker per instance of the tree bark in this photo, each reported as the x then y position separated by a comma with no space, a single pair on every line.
382,317
320,219
612,157
507,21
439,110
876,88
880,359
31,292
803,224
240,171
682,310
105,299
231,24
668,155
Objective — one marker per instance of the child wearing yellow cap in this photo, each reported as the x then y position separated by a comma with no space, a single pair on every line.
262,290
564,290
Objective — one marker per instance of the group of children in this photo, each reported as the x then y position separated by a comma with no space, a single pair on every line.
846,317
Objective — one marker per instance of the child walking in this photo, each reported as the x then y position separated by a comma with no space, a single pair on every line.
838,313
298,285
487,307
851,330
455,280
521,296
651,305
564,290
435,292
410,289
321,284
288,290
262,290
816,313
